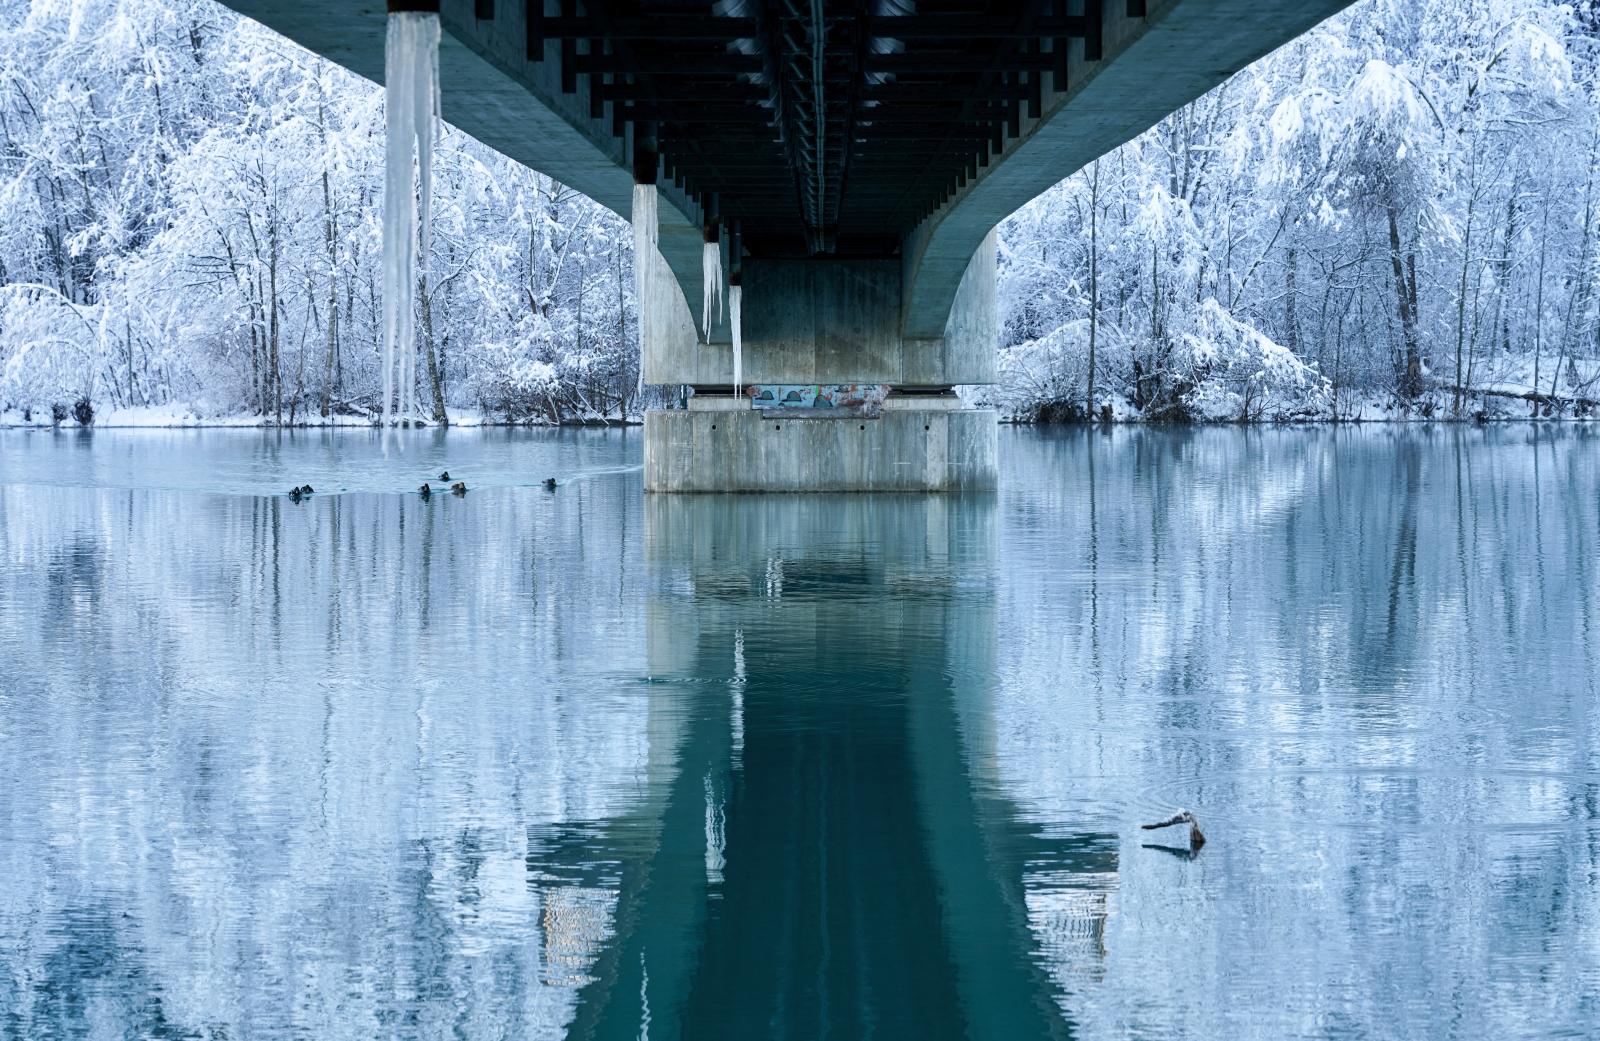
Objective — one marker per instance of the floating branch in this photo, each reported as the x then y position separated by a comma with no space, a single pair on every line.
1196,839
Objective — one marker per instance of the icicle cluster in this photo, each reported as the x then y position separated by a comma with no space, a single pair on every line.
411,72
644,260
711,281
735,300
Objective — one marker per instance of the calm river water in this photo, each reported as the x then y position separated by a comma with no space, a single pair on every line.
593,764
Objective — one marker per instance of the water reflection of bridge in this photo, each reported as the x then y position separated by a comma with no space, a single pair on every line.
821,851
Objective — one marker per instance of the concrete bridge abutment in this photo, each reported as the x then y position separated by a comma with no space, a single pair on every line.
810,322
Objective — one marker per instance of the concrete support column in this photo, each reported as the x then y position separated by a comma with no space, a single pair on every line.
830,321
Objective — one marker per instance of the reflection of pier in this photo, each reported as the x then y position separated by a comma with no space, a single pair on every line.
846,872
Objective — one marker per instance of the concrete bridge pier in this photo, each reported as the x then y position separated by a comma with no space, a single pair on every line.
863,218
827,321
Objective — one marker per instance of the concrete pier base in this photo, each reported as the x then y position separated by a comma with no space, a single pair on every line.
827,321
906,449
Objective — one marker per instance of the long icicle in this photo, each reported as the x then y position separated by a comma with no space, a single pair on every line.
399,219
644,259
711,282
426,99
411,56
735,321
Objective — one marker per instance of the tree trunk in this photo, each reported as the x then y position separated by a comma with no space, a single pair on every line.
1094,282
254,310
1411,381
127,345
1477,324
332,346
1461,305
274,369
1578,302
1538,302
434,382
1291,316
330,233
1502,306
623,346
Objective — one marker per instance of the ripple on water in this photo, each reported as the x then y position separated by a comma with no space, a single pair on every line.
479,767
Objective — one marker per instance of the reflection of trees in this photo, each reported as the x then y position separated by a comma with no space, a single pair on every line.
96,981
361,767
1368,654
361,748
301,761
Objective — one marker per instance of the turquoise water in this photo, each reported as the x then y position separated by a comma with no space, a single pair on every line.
592,764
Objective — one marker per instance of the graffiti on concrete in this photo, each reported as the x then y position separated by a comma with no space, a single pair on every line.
820,400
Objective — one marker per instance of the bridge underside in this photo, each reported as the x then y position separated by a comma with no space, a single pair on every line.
849,158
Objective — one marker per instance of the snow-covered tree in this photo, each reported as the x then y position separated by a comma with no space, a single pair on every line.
1404,200
192,209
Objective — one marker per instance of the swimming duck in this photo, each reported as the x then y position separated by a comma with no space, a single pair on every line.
459,488
445,476
550,483
306,489
1196,839
295,493
425,491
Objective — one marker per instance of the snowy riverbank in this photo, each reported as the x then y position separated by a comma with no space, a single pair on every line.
1505,387
1494,405
177,417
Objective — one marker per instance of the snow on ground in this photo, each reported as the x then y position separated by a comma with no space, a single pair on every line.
180,416
1513,374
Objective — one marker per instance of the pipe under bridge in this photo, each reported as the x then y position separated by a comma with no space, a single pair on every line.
850,159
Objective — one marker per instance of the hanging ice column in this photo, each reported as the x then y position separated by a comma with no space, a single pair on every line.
654,289
735,321
411,75
736,305
710,280
644,259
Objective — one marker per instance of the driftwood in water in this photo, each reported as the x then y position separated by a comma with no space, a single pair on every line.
1196,839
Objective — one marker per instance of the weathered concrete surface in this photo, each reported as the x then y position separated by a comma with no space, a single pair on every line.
830,321
707,450
1151,66
838,321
